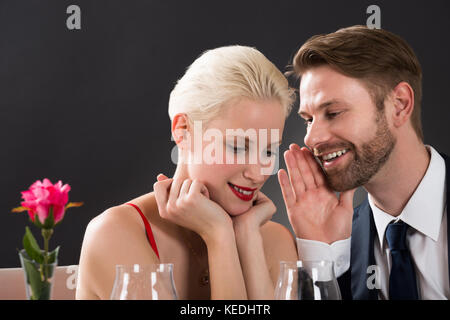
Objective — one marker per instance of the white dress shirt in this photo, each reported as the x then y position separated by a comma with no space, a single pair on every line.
426,213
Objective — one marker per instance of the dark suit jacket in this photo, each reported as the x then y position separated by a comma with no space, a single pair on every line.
353,283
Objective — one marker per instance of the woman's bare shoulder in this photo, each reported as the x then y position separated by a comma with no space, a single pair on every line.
116,236
121,217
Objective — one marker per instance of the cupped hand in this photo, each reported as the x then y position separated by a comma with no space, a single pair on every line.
314,210
261,212
186,203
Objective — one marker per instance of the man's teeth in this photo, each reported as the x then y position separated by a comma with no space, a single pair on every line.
334,155
247,193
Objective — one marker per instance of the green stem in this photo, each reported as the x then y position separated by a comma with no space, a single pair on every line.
47,234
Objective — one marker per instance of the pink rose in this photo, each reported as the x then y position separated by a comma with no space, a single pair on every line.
42,195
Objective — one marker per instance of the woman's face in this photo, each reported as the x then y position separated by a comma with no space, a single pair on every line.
238,152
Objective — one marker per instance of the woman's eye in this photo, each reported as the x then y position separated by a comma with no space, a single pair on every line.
236,149
271,153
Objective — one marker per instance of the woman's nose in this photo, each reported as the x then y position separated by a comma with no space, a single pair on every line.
255,173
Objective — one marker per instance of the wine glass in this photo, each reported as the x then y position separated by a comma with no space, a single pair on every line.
144,282
307,280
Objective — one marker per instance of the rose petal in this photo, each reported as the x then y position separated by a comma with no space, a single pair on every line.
58,213
28,195
47,183
42,212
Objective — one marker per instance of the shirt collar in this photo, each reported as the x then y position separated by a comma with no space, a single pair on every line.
425,208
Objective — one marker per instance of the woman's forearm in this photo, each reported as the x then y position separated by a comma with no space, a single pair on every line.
226,278
256,273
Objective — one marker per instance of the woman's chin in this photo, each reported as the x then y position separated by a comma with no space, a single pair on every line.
235,211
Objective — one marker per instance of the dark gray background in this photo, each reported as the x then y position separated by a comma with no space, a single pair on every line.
89,107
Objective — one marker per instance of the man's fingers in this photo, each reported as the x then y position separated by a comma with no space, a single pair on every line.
315,167
161,177
303,165
286,189
295,176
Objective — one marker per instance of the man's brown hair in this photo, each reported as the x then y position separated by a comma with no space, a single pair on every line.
377,57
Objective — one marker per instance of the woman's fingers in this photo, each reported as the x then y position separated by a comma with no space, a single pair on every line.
286,188
295,177
175,191
185,187
198,187
161,189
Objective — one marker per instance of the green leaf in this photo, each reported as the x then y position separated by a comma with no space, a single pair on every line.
53,255
34,280
49,222
31,247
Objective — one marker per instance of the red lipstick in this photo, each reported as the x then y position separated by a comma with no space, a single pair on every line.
243,193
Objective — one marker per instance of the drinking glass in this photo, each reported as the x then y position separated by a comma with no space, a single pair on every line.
144,282
307,280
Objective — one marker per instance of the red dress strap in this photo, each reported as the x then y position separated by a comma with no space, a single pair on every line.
148,228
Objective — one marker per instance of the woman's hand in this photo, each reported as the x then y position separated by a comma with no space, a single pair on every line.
261,212
186,203
314,210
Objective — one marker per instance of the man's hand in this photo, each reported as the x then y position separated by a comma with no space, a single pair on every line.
314,210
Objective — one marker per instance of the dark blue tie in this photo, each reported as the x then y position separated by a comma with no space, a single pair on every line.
402,280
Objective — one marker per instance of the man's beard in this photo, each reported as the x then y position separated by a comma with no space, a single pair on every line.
367,159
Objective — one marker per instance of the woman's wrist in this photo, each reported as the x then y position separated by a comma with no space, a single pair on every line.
214,237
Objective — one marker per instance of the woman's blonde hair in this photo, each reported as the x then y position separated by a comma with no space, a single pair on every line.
224,74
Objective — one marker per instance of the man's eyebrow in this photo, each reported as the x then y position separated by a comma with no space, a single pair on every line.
323,105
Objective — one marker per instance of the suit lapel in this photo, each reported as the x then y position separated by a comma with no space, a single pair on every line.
362,252
447,177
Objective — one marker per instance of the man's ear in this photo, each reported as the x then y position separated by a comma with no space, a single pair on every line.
180,128
403,102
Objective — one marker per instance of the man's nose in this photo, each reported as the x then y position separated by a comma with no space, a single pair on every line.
317,133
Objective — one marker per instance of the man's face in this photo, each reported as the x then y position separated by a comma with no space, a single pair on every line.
346,132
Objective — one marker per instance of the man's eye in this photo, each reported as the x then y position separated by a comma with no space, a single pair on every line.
308,121
332,115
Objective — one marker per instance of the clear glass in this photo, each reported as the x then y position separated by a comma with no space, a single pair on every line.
38,277
307,280
144,282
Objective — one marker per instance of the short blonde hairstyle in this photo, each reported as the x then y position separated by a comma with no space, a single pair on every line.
224,74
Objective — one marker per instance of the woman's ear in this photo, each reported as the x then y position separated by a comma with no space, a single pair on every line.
403,103
180,129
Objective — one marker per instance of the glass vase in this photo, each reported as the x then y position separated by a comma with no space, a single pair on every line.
38,277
